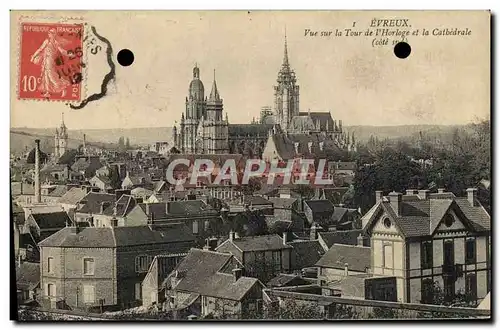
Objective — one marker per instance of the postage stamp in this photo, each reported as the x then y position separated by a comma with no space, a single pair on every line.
50,61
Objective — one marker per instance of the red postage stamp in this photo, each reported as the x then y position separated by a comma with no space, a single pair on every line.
51,61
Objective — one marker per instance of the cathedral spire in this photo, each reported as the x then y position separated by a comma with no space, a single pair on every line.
285,53
214,94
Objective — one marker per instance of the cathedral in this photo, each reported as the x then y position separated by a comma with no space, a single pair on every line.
204,131
60,140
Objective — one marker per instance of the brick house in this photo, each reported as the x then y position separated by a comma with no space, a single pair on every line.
423,239
88,268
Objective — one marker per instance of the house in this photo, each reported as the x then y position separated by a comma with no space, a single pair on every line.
86,165
262,256
36,228
102,182
93,267
71,199
27,282
93,203
287,280
141,193
153,293
201,218
319,211
343,260
305,252
346,237
213,283
425,239
137,180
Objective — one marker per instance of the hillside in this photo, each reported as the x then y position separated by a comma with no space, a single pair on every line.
22,137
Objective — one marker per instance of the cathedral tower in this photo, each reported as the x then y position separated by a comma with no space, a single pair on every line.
216,129
195,110
286,93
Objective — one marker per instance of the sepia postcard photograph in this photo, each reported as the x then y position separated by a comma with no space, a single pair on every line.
250,165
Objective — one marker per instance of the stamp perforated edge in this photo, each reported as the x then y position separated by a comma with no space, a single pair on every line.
54,20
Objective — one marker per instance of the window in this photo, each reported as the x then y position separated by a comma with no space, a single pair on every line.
387,223
50,265
448,220
142,263
138,291
470,251
195,227
426,254
388,261
88,294
471,286
51,290
88,266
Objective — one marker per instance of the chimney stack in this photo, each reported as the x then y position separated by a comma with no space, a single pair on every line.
379,194
346,269
395,199
231,236
38,191
360,240
423,194
237,273
441,190
411,192
84,144
472,196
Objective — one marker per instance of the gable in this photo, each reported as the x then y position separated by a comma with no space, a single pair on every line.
379,225
450,222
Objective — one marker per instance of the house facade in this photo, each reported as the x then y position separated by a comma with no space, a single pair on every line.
93,268
426,239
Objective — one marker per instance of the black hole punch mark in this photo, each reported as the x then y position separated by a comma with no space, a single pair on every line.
125,57
402,50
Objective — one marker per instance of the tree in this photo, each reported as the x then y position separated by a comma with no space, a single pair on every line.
114,178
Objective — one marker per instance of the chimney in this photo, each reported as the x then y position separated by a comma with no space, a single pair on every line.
84,144
346,269
296,146
231,236
38,192
472,196
286,237
441,190
395,200
360,240
411,192
207,245
423,194
237,273
313,234
379,194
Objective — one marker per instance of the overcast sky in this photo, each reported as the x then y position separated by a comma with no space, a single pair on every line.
445,80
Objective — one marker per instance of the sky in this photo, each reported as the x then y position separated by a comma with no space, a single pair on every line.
445,80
